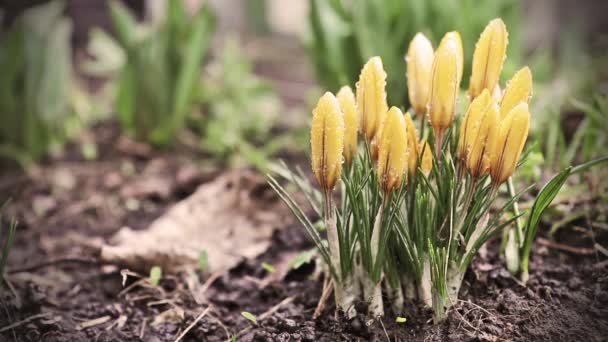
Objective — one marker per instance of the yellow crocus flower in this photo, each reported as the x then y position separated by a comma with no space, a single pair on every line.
478,159
346,98
444,87
519,89
509,143
426,162
419,61
371,96
488,58
392,159
471,123
454,36
412,145
327,141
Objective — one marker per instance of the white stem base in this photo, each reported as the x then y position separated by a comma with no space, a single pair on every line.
453,283
424,289
512,252
346,295
395,297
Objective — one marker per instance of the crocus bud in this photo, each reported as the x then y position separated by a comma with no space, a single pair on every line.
519,89
488,58
510,139
471,123
419,61
346,98
327,141
478,159
412,145
426,162
392,158
454,36
371,96
444,86
375,143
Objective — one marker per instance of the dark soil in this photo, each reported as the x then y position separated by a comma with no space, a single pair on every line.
69,206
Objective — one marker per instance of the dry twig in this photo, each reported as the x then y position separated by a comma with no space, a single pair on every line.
27,320
565,248
179,338
51,262
327,290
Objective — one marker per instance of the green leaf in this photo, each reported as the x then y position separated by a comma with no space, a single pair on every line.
301,259
401,320
196,46
586,166
251,317
6,247
156,274
124,23
203,261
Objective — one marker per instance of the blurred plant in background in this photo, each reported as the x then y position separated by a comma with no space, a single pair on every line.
159,66
36,64
241,111
345,34
163,89
7,238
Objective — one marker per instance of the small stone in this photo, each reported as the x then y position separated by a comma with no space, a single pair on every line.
574,283
308,334
283,337
288,325
356,324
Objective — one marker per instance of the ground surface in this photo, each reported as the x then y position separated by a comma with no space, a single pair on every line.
69,206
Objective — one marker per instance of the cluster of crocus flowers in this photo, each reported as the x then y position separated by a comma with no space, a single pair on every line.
495,127
493,132
490,138
391,135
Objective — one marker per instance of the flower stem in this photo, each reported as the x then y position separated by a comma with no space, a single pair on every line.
376,307
343,288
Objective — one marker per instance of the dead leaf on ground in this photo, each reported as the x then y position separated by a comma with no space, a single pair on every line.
229,218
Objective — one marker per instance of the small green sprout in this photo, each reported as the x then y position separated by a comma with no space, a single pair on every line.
401,320
203,261
156,274
251,317
89,151
268,267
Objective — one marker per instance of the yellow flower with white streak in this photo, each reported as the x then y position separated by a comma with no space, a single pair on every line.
327,141
371,96
392,159
488,58
346,98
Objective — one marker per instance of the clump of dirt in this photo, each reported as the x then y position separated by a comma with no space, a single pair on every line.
71,207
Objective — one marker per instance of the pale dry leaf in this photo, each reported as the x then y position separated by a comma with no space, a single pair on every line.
227,217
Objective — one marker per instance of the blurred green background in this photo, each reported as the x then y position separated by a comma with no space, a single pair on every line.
234,79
